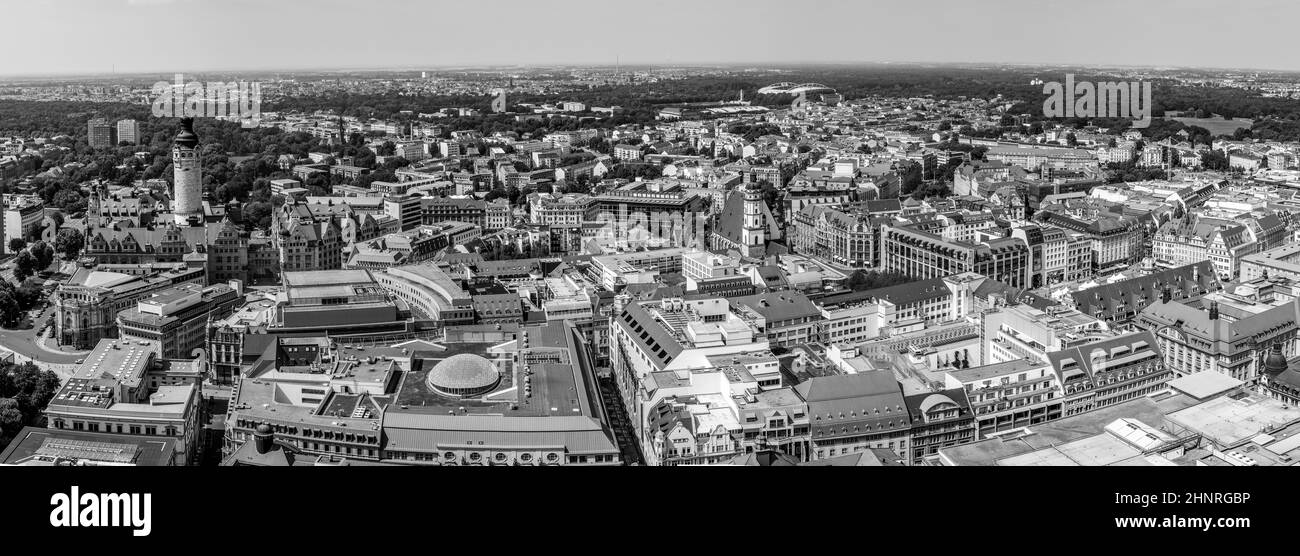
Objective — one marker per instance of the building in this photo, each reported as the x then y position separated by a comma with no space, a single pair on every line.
23,217
1120,301
716,275
940,419
552,210
307,242
1009,395
340,302
855,412
649,215
746,224
128,131
1109,371
123,388
430,292
787,318
840,237
175,321
87,305
670,347
1196,338
99,133
923,255
187,195
44,447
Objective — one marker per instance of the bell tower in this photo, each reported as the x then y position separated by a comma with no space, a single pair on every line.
753,233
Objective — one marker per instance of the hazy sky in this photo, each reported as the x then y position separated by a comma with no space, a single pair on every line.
94,36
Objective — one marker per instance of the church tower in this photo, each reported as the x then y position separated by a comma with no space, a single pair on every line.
187,187
754,233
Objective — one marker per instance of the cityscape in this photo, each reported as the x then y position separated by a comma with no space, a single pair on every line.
627,263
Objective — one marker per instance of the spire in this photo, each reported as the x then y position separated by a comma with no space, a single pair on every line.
186,137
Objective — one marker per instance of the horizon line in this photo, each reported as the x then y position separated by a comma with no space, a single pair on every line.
636,65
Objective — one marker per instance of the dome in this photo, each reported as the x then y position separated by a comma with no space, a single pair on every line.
187,138
1275,363
463,375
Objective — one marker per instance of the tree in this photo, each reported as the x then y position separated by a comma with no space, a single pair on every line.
11,315
862,280
257,214
30,386
17,244
44,254
24,265
69,242
11,420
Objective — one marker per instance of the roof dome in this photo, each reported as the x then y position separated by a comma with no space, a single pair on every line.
463,374
1275,363
187,138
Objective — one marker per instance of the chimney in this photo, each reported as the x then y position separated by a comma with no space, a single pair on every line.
263,439
1214,310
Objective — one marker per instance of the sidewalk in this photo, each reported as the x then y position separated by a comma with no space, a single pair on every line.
46,336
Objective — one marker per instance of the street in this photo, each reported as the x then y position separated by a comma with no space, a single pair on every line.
23,342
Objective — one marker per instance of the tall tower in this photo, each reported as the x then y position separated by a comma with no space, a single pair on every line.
187,189
754,232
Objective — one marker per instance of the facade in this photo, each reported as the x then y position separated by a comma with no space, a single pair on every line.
23,216
1195,339
175,321
1010,395
837,236
924,255
87,305
1108,372
99,133
128,131
940,419
856,412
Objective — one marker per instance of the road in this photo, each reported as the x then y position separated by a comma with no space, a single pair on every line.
23,342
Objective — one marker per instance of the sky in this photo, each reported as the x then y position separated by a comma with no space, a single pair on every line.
167,36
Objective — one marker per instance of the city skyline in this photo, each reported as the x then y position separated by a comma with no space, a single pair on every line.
575,34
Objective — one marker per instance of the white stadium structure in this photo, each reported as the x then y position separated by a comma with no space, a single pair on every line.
794,89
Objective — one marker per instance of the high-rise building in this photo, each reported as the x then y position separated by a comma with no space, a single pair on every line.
188,183
128,131
99,133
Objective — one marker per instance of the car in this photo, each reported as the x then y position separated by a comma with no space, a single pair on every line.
80,361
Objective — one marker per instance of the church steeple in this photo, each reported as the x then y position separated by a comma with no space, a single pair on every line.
753,233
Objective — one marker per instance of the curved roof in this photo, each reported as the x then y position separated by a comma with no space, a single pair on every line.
463,371
186,137
788,88
934,400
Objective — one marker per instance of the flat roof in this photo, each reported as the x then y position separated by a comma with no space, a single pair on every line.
1204,384
34,444
1228,420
